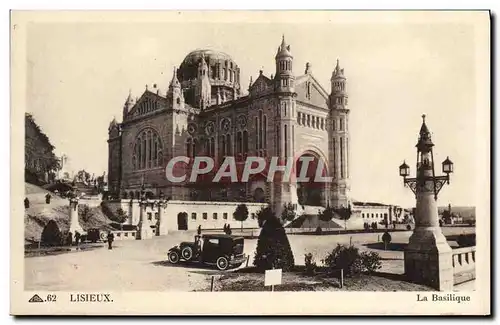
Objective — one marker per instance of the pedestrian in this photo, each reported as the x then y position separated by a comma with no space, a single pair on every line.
199,230
77,238
26,203
228,229
69,238
47,198
111,237
225,228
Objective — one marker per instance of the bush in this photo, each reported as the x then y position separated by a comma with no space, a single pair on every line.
273,248
327,214
318,231
288,213
264,214
51,235
310,264
408,227
84,211
371,261
351,261
466,240
119,216
346,258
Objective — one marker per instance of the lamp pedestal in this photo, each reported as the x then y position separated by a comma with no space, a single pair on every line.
428,257
74,224
144,230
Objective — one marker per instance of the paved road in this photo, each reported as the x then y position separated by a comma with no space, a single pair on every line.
141,265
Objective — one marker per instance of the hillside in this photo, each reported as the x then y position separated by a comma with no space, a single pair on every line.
39,214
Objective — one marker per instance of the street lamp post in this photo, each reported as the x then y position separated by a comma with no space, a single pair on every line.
160,204
74,223
144,230
428,257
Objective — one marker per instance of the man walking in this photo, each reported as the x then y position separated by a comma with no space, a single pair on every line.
111,237
77,239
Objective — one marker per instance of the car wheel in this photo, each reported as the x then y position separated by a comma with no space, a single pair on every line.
222,263
187,253
173,257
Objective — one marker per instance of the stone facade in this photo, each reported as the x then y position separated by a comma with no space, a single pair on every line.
182,215
204,113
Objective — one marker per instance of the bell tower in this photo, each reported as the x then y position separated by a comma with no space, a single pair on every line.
285,190
284,73
203,88
338,139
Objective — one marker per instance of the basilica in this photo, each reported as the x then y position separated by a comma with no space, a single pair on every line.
205,112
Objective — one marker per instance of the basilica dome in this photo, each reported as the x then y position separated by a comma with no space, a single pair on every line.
223,74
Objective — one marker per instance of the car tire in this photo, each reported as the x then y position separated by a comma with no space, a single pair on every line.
222,263
187,253
173,257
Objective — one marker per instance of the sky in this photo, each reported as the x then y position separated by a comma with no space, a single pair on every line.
79,75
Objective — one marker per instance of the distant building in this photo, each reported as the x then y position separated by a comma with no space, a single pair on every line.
67,172
377,212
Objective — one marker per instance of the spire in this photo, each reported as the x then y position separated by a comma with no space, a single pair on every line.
175,82
251,82
424,139
113,123
129,103
283,49
338,73
129,98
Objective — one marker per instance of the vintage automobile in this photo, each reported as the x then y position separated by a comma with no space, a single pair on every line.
223,251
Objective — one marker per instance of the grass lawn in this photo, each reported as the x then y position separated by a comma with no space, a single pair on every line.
249,280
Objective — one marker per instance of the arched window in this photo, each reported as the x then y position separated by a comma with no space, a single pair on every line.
264,132
147,150
239,142
189,147
245,141
212,147
228,145
222,145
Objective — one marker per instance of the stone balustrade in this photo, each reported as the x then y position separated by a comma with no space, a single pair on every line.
124,234
464,264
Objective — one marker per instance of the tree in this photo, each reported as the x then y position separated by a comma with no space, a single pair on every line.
40,159
241,214
327,214
288,213
264,214
273,248
344,214
121,216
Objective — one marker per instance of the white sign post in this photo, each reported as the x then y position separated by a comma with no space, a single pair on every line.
272,278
